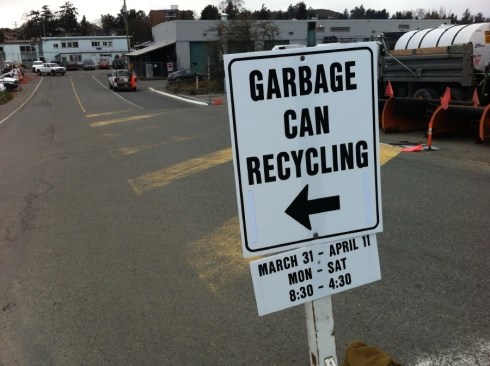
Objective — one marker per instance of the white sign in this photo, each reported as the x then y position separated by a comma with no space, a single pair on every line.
304,128
298,276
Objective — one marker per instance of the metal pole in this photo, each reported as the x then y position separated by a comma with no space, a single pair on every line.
321,335
209,82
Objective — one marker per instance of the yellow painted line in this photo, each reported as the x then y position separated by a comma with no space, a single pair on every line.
163,177
132,131
121,120
217,258
129,150
92,115
388,152
76,96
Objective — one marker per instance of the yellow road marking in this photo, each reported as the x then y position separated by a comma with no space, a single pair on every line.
217,258
76,96
388,152
129,150
133,130
120,120
91,115
163,177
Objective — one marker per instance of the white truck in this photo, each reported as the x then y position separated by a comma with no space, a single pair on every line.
425,62
438,80
51,68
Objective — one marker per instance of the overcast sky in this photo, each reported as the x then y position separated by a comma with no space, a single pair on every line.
12,11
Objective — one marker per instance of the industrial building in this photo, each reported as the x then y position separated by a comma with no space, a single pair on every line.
185,43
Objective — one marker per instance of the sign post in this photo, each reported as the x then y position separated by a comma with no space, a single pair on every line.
304,131
321,336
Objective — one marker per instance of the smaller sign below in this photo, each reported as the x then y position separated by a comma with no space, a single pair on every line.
309,273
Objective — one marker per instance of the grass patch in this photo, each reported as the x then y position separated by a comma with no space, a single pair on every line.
188,87
5,97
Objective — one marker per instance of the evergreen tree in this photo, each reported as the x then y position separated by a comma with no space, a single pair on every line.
210,12
467,18
67,18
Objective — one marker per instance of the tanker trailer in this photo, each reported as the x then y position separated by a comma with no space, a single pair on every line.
427,64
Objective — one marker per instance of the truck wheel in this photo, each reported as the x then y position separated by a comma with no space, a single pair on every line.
425,93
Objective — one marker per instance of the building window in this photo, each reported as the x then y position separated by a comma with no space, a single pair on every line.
291,33
403,26
27,48
320,28
55,45
339,29
69,44
107,43
95,44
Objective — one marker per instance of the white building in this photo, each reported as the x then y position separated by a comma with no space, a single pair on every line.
63,49
18,52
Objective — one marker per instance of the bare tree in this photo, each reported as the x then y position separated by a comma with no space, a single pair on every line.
241,35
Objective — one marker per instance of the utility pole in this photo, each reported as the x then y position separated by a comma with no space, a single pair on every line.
125,15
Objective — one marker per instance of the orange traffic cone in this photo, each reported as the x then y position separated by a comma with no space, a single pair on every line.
389,90
446,98
132,81
475,99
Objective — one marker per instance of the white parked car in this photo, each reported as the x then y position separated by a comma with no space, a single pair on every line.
9,83
36,65
51,68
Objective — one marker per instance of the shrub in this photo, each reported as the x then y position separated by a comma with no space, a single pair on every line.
189,87
5,97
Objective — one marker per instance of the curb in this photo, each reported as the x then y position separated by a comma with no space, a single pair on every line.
198,102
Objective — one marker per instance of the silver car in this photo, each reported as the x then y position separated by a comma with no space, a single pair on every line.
121,79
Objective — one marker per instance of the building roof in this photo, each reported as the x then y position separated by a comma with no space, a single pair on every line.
153,47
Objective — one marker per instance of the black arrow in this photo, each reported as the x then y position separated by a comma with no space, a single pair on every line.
301,209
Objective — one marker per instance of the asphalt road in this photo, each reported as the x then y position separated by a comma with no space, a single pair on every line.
120,245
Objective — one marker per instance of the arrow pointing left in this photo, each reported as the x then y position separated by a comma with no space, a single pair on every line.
301,208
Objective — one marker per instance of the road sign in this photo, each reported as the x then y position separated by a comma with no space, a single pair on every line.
304,128
312,272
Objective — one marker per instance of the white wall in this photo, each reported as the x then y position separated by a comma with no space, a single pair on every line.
109,45
12,52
